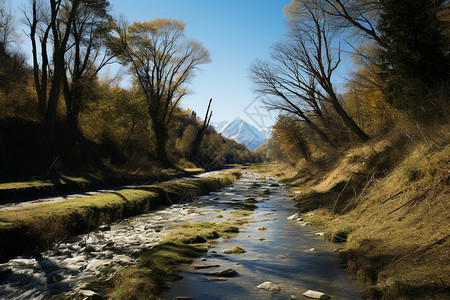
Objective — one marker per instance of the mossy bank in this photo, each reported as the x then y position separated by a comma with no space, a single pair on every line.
42,225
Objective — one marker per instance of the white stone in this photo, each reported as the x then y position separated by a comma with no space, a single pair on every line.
293,217
270,286
320,233
315,295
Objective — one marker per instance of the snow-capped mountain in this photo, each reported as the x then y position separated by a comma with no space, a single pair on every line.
243,132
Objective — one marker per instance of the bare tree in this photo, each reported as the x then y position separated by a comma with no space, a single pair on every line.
195,146
284,88
162,60
313,47
87,54
361,15
47,30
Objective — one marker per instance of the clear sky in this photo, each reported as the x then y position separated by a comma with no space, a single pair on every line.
235,32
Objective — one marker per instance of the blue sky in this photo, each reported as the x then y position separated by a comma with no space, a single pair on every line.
236,32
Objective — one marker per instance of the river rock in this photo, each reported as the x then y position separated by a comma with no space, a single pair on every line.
217,279
274,184
199,267
223,273
104,228
270,286
232,229
91,295
315,295
234,250
293,217
320,233
203,259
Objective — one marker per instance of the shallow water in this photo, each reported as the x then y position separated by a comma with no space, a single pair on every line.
282,257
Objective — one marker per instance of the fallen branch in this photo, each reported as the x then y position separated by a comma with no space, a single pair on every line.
415,198
336,201
393,196
422,250
360,195
401,206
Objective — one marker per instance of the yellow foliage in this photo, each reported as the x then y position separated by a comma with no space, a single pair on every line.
365,102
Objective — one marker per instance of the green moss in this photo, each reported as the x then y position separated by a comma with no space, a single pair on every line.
234,250
44,224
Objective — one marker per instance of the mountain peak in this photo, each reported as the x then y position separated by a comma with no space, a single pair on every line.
243,132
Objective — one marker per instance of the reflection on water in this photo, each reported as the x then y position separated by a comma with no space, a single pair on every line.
279,254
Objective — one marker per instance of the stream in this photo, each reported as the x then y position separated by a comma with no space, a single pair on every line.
286,253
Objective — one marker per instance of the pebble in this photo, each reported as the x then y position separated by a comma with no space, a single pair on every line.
293,217
270,286
315,295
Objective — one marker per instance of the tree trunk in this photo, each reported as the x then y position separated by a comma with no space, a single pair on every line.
161,138
195,147
348,121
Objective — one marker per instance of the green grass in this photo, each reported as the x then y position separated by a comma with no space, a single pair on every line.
42,225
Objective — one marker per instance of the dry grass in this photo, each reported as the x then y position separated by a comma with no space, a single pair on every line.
398,227
389,199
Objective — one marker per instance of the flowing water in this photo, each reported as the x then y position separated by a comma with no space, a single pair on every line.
281,254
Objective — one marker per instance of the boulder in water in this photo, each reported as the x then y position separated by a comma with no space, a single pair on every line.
223,273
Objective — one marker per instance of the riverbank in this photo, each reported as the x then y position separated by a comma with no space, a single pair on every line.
60,184
387,205
43,225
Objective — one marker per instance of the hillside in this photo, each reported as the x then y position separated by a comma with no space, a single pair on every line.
386,206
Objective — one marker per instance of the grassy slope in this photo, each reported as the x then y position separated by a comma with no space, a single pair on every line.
398,247
44,224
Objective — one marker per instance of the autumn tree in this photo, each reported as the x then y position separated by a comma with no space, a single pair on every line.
162,60
291,139
87,54
6,27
